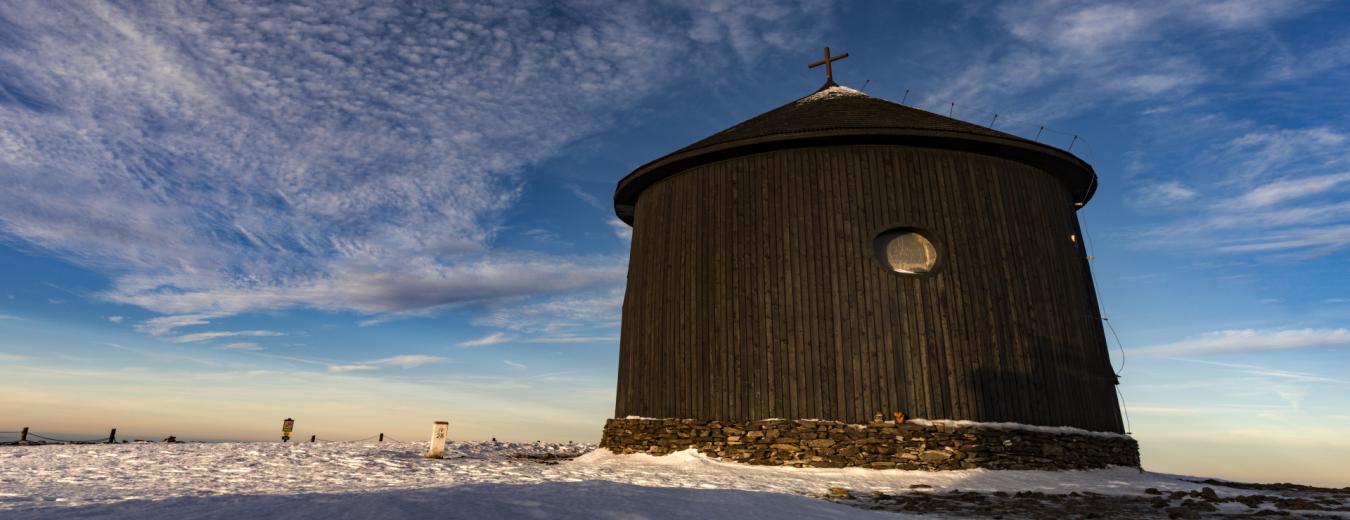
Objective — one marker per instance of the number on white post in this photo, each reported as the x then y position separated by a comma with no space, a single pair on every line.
439,431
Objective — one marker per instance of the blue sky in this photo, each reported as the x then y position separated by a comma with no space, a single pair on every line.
371,217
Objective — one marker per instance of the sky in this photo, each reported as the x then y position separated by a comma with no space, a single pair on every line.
369,216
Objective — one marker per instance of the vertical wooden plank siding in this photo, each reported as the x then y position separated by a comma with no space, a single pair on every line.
754,292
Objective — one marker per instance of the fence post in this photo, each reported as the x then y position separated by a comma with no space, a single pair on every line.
381,437
439,431
311,438
112,436
23,436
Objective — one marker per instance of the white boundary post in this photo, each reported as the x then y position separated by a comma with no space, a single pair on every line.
439,431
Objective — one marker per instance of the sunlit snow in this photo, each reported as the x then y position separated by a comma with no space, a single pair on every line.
476,480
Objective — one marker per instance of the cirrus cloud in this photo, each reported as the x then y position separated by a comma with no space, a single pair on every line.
404,361
1241,340
207,336
214,159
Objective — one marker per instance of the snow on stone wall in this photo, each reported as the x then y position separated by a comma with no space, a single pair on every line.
930,445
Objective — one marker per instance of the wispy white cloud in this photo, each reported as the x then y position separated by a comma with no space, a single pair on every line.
542,235
1165,193
1292,395
226,158
621,229
1275,192
1278,192
581,319
160,356
207,336
1325,239
402,361
116,319
572,340
495,338
1091,29
500,338
515,365
8,317
1160,83
163,325
1198,410
1059,58
1246,13
9,358
1290,386
1265,371
418,286
589,199
357,367
245,346
409,361
1300,63
573,315
1241,340
1262,153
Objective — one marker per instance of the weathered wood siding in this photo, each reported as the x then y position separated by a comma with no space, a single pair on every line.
754,293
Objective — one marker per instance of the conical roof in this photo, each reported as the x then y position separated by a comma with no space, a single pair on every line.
838,115
839,107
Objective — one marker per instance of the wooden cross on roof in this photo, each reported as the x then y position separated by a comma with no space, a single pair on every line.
829,71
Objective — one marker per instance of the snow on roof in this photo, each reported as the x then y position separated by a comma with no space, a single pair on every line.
833,91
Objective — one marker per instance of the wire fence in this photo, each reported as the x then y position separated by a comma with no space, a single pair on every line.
27,436
23,437
70,441
363,439
377,438
1002,121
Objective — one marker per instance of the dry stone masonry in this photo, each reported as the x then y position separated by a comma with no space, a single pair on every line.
879,444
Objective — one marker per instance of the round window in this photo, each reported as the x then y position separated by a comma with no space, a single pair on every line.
906,251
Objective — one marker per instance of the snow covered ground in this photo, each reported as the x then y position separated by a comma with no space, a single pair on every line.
476,480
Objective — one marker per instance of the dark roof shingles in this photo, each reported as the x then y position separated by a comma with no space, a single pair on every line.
845,110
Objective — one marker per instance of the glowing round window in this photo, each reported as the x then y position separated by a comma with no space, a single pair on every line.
906,251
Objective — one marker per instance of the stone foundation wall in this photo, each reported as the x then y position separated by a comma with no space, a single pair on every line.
881,445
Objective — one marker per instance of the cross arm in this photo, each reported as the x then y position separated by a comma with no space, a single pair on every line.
832,58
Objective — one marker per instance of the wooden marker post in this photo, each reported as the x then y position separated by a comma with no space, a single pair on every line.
112,436
23,437
439,431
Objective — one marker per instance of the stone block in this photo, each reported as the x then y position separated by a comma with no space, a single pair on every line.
821,443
